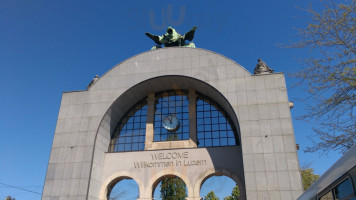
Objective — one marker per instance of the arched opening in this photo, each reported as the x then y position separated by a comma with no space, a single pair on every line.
220,186
123,188
126,101
169,187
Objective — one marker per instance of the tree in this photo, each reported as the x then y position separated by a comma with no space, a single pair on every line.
173,189
331,77
308,177
211,196
235,194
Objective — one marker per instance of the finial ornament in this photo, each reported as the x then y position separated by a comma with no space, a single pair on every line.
262,68
171,38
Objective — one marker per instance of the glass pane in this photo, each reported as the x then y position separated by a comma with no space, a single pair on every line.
216,142
121,148
223,141
131,129
213,128
343,190
327,196
231,141
223,134
171,116
142,139
208,143
135,147
135,139
200,135
128,147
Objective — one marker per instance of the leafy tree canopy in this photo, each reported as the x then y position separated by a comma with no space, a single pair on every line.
211,196
331,76
308,177
173,189
235,194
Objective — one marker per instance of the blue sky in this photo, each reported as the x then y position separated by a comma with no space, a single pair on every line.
48,47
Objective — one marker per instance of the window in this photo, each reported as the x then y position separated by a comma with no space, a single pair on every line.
172,114
172,104
130,133
213,125
342,191
327,196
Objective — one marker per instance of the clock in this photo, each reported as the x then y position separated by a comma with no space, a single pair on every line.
170,122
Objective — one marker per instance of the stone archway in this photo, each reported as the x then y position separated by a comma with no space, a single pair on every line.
154,181
219,172
117,177
259,102
127,99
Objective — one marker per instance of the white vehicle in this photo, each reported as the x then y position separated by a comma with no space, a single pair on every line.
337,183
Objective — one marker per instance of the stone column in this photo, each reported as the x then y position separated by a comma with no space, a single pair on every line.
192,118
150,120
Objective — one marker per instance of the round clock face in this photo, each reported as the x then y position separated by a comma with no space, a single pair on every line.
170,122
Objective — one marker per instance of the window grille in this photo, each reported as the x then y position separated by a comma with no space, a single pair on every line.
213,126
171,103
130,133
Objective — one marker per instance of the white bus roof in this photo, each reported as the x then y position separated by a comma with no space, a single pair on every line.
338,169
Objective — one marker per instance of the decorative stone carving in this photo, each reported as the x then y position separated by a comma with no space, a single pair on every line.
262,68
171,38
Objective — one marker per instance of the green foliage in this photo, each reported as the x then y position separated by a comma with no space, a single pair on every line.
308,177
235,194
173,189
330,77
211,196
172,137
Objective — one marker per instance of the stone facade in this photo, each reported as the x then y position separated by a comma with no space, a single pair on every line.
264,164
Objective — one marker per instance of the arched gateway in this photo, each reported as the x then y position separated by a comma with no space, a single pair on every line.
183,112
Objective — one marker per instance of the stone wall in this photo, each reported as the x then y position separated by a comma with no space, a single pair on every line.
79,162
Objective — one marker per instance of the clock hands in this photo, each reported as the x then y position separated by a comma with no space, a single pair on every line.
170,119
170,122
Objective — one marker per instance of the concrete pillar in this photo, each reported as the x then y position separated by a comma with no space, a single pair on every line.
192,117
150,120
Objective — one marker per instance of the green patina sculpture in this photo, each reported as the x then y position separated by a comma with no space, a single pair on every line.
171,38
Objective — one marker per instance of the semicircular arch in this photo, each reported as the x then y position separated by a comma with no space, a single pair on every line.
154,181
117,177
125,67
219,172
162,83
141,90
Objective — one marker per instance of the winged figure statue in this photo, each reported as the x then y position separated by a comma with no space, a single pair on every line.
171,38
